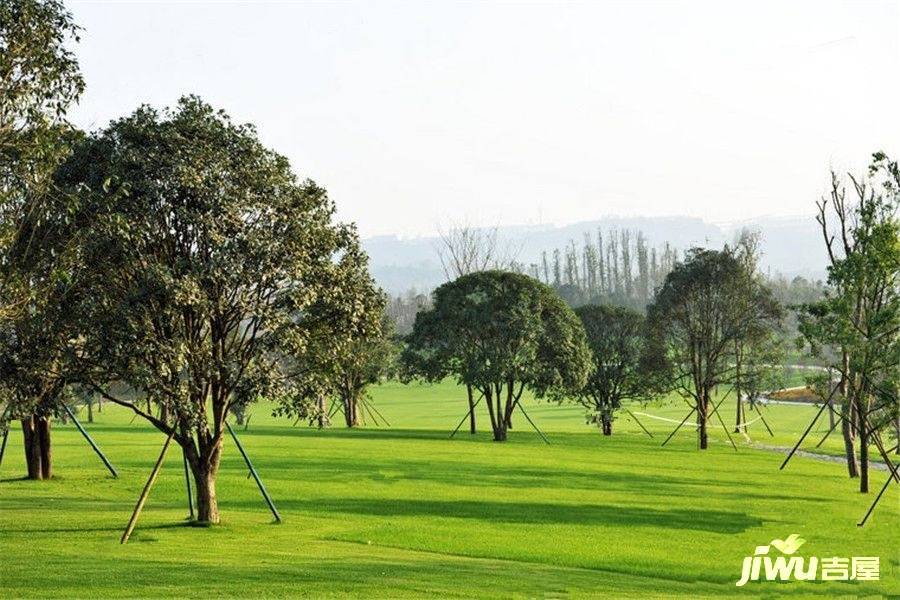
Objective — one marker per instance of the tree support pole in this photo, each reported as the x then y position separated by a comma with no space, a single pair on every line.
878,497
718,416
826,404
377,412
259,482
763,419
3,444
367,408
830,431
187,482
146,491
683,421
334,408
637,421
89,440
5,434
541,433
469,412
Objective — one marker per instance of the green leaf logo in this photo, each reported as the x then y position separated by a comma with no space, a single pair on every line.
789,545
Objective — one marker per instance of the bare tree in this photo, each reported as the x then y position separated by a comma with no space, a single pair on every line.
464,249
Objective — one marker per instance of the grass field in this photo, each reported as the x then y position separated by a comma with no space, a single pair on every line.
405,511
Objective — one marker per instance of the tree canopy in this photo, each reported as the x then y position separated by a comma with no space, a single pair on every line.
501,333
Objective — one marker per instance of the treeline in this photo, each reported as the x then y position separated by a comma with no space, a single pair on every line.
618,267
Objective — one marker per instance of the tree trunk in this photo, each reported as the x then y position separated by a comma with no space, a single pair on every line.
351,415
207,503
38,451
849,450
606,422
897,430
205,467
737,388
90,407
469,393
322,418
43,428
863,456
701,420
498,416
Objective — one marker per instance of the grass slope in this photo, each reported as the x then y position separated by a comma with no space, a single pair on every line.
407,512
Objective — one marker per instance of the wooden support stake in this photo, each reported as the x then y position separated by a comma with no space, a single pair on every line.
187,483
90,441
3,444
253,472
541,433
683,421
638,422
880,494
471,408
146,491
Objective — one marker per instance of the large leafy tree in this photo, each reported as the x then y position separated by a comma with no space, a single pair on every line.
622,368
859,317
500,333
706,306
212,266
39,80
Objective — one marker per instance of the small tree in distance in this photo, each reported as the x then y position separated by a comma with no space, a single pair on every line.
617,339
500,333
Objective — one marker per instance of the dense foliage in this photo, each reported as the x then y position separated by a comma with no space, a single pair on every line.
500,333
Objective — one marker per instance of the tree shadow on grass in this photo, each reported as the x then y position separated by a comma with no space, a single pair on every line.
73,529
534,513
386,434
474,474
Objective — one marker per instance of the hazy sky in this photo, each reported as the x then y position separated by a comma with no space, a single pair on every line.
417,113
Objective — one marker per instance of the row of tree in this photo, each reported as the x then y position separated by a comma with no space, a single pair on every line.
500,333
616,268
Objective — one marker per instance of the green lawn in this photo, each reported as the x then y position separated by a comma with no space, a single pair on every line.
405,511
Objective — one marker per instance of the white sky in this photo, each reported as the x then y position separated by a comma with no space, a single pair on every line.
415,113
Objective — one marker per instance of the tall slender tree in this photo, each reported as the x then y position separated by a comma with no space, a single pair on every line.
860,314
706,305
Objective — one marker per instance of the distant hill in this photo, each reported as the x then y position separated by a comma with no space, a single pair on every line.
790,245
